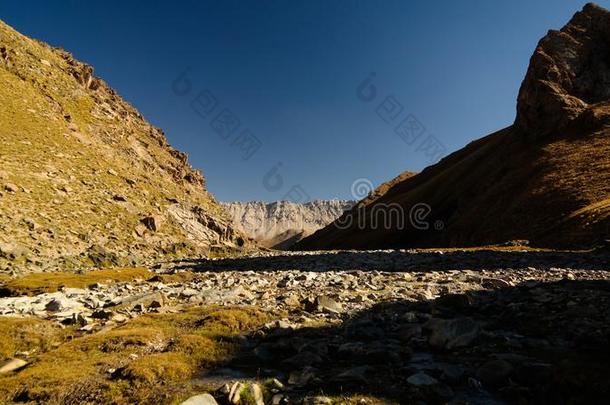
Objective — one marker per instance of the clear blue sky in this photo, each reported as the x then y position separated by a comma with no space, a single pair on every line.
289,70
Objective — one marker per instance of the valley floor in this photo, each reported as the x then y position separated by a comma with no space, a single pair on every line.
459,326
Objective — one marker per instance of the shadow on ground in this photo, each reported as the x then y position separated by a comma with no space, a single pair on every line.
405,261
534,343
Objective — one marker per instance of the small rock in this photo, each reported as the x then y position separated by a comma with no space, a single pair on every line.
302,359
201,399
31,224
475,384
496,283
450,334
96,286
152,222
421,379
303,377
451,373
75,319
355,375
274,384
140,230
188,292
10,187
56,305
12,251
119,318
317,401
12,365
256,394
292,301
234,396
494,372
327,304
278,399
101,314
101,257
409,317
409,332
155,304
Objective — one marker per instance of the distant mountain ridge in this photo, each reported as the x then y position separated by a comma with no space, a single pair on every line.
283,223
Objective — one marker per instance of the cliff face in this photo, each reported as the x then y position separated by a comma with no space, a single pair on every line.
84,179
545,179
280,224
569,71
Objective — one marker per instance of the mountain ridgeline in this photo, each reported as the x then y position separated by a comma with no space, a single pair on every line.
283,223
545,179
84,179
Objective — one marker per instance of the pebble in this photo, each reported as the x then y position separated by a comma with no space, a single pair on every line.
453,333
201,399
12,365
420,379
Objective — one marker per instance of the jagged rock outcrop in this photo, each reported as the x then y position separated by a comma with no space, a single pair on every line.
569,70
81,170
283,223
545,179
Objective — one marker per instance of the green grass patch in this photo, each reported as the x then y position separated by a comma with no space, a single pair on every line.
29,335
150,359
37,283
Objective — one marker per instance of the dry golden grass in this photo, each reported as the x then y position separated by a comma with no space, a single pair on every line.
37,283
56,135
360,400
487,248
27,335
179,277
152,357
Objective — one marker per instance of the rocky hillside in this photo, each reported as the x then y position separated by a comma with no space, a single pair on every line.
545,179
84,179
283,223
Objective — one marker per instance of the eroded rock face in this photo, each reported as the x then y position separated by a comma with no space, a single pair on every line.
569,70
283,223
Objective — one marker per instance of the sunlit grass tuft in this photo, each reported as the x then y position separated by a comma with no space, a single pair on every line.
37,283
149,359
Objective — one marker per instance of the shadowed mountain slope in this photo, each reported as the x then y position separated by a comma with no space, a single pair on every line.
545,179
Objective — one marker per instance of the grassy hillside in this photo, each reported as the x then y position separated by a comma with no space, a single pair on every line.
80,169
